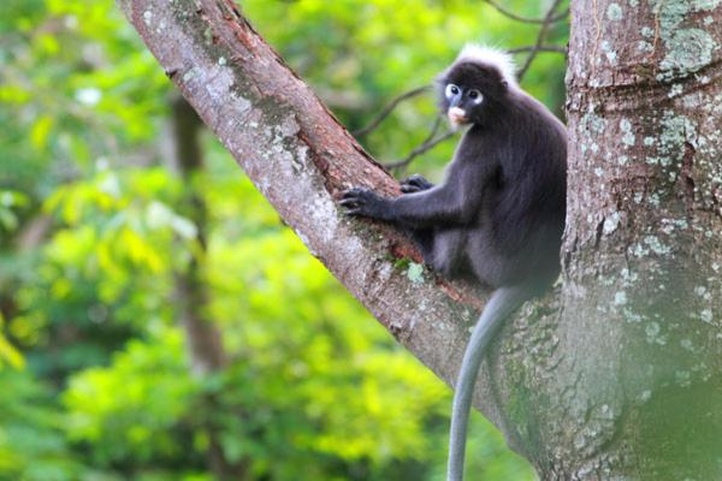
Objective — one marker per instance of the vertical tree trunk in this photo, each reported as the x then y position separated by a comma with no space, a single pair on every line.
638,346
205,347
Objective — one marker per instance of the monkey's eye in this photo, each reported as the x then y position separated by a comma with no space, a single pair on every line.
451,91
476,96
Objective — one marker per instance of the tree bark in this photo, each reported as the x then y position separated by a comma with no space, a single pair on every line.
595,382
638,384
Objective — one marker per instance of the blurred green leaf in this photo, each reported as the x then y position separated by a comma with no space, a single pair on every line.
8,353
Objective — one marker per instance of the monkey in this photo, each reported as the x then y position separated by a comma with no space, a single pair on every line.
498,216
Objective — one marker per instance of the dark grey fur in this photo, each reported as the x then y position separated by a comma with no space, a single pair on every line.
499,214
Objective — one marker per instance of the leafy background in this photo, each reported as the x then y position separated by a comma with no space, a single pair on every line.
94,233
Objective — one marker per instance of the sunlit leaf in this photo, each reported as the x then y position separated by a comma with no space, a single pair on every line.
40,131
8,353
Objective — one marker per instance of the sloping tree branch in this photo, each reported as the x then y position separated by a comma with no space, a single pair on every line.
300,158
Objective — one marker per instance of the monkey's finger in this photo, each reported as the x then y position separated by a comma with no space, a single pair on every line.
354,192
412,178
356,212
350,207
349,202
415,183
409,188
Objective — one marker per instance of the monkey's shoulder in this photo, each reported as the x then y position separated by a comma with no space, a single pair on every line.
529,110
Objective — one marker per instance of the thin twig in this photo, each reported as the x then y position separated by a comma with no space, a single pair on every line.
543,31
388,109
542,49
521,19
429,143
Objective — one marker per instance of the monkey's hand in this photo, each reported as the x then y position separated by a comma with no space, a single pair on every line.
415,183
365,203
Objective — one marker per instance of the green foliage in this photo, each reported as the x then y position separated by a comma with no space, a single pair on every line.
133,409
8,353
75,87
32,444
314,363
10,203
94,233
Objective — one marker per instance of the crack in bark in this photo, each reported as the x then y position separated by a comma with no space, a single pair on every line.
686,177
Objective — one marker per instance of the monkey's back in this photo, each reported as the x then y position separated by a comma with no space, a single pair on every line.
521,222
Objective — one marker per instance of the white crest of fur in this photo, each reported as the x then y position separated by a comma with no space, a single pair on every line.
492,57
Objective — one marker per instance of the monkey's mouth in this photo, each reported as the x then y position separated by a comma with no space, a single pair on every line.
457,116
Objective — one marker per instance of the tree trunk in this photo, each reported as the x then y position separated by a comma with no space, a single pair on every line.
638,371
616,376
206,354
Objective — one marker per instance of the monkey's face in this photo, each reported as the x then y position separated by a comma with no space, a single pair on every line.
472,93
461,102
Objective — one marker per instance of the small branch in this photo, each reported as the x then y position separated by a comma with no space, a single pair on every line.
386,111
517,18
541,49
543,31
429,143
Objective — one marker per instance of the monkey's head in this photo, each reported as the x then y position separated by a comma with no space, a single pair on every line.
476,86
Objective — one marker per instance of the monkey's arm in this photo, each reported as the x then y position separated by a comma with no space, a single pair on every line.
457,201
437,206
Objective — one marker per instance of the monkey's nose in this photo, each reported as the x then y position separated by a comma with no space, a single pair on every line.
457,116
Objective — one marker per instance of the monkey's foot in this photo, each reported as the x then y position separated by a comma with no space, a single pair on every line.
415,183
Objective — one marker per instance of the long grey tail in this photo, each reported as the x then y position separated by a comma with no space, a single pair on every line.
502,303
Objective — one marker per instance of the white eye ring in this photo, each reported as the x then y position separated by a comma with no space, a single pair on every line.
451,91
476,96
